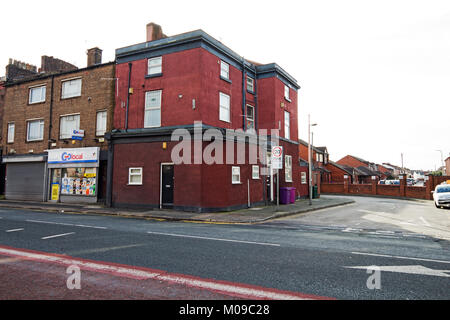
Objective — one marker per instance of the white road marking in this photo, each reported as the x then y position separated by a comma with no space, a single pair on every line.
233,289
14,230
425,221
57,235
217,239
66,224
421,270
399,257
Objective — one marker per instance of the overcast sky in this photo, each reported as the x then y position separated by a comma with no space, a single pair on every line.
374,75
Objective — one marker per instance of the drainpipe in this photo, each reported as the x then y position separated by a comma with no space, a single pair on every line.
128,95
50,126
244,113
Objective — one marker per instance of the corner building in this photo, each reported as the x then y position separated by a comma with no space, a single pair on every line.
170,83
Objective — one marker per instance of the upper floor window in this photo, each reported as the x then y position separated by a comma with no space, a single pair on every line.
250,117
11,129
287,125
71,88
152,116
154,66
286,92
36,94
224,70
224,112
67,125
35,130
101,123
250,84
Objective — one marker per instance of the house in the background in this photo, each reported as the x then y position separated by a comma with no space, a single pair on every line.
338,172
172,82
447,166
364,170
53,125
320,159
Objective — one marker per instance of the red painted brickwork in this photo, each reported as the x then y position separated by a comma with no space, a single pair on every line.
350,161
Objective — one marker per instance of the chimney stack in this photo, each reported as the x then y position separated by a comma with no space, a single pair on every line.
154,32
94,56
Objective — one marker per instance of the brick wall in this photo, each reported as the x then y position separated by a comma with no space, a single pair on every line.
97,93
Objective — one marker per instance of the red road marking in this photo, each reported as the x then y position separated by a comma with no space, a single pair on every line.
223,287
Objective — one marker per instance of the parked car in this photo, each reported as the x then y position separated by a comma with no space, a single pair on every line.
397,182
382,182
410,182
441,196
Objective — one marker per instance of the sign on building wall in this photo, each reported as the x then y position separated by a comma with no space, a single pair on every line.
277,157
76,155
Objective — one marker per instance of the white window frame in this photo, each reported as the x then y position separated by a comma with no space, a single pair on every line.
68,136
251,84
286,93
11,133
252,119
71,95
224,70
41,129
226,108
97,132
287,168
233,174
43,92
255,172
154,69
147,108
303,177
140,174
287,125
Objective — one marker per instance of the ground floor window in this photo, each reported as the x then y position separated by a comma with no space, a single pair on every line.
235,175
135,176
78,181
303,177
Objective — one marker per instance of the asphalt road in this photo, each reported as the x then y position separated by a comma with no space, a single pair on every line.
289,255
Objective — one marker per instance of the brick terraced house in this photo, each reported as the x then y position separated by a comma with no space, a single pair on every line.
175,82
54,121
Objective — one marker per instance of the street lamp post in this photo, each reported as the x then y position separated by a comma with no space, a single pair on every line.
309,157
442,163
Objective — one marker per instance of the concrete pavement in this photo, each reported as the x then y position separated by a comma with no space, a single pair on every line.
244,216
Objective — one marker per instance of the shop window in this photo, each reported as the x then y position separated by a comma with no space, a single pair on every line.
235,175
67,125
11,129
135,176
36,94
78,181
152,116
35,130
101,123
154,66
288,168
71,88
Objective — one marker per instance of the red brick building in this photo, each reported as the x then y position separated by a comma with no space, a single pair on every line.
364,170
320,159
53,130
169,83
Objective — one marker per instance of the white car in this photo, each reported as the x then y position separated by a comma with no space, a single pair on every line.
441,196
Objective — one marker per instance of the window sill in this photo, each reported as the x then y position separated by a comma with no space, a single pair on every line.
287,99
134,184
155,75
68,98
225,79
28,141
251,92
235,183
33,103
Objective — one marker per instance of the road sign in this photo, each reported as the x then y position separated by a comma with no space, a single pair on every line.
277,157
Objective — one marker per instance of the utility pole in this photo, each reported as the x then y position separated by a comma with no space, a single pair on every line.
442,163
403,170
309,158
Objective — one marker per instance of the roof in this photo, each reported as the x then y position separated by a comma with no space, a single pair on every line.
367,172
342,167
317,149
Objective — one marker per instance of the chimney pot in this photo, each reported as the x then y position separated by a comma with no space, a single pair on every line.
94,56
154,32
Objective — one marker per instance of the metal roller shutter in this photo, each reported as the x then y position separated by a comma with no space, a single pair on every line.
25,181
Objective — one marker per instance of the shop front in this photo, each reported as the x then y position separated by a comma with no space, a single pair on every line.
73,175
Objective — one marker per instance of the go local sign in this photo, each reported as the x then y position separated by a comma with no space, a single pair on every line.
76,155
